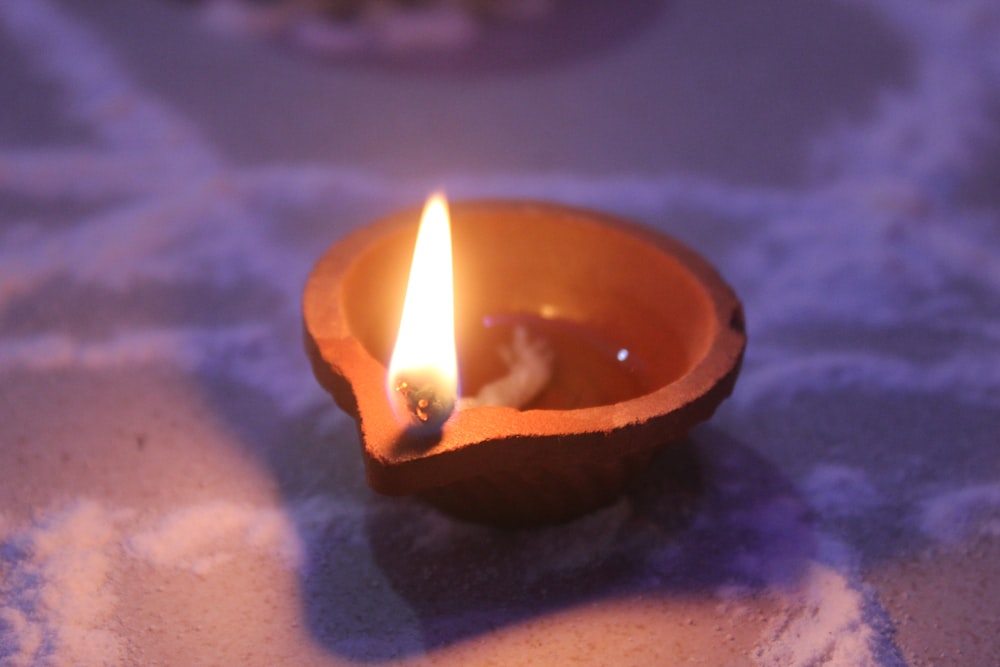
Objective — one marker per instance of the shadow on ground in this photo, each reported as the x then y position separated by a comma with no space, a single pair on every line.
709,514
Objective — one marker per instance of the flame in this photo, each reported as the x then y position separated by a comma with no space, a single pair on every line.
423,372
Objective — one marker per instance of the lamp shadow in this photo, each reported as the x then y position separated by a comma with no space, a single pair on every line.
708,514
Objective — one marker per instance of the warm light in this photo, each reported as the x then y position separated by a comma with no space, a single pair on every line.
423,371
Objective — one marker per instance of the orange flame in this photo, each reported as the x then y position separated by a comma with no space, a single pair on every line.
423,372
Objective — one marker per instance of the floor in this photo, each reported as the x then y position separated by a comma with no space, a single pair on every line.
178,490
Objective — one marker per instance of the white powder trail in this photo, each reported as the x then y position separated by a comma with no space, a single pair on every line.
56,603
829,617
836,491
202,232
57,597
954,515
186,347
248,353
926,133
824,625
200,538
81,175
98,91
776,378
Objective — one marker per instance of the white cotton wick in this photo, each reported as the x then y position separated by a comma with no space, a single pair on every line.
529,368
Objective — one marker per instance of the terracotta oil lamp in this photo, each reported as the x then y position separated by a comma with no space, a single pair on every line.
646,340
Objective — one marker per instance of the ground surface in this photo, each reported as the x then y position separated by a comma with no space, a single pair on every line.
177,490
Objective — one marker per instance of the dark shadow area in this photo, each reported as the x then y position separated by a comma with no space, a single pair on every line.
708,513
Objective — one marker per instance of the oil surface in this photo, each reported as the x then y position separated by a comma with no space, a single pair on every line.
588,370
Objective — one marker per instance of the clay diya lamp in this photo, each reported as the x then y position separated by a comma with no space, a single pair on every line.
646,340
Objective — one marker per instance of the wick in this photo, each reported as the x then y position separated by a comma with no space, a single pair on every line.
422,400
529,364
529,368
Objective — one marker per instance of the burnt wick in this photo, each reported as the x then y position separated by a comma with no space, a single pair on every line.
529,364
423,399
